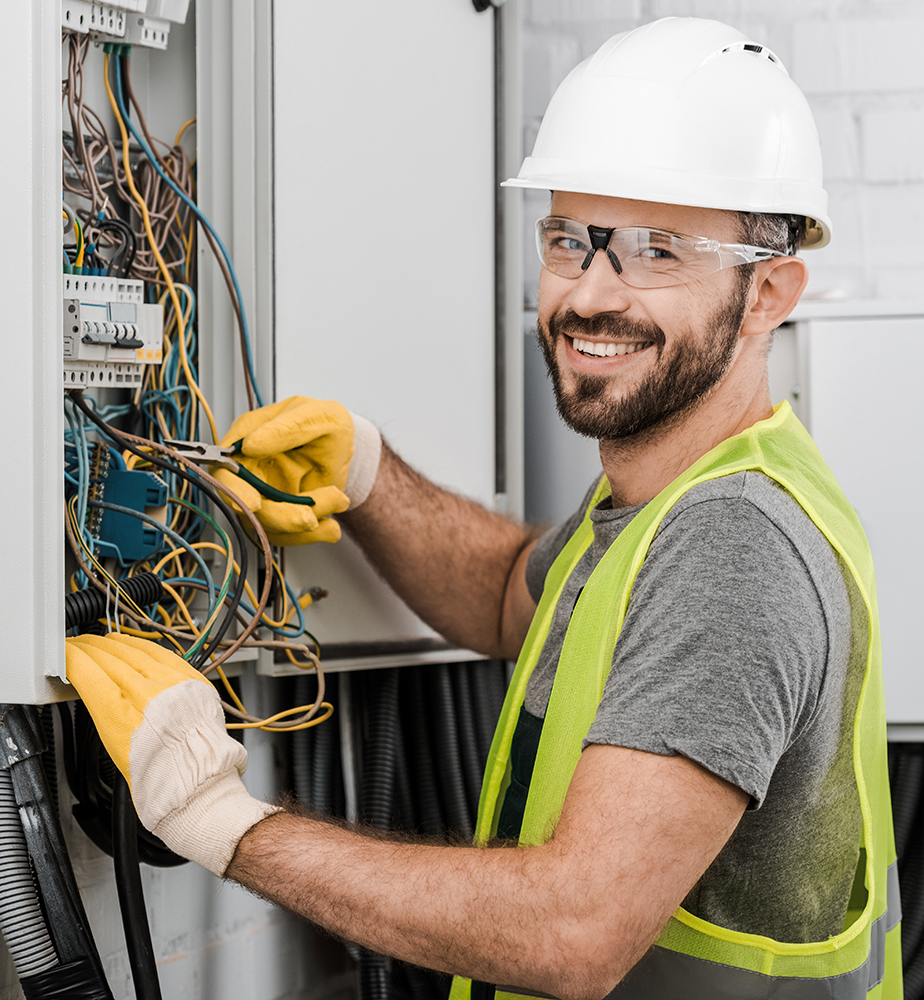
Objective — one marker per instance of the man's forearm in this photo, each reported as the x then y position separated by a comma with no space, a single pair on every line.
449,558
569,917
495,914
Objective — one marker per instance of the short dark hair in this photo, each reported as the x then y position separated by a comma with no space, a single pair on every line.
784,233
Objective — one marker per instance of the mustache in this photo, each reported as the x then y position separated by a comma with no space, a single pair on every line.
613,326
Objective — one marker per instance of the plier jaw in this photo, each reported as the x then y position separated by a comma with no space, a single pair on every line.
200,453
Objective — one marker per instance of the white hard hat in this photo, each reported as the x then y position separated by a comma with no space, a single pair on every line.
684,111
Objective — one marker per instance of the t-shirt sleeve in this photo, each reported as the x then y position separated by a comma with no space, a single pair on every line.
723,650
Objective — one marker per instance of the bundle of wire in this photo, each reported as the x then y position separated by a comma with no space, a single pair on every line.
152,237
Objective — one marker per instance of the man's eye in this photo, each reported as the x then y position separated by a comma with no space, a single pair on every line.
655,253
569,244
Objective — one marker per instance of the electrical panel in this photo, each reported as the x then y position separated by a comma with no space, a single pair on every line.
110,332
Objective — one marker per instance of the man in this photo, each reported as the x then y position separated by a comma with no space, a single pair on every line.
692,753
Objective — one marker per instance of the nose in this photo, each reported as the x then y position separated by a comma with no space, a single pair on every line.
599,289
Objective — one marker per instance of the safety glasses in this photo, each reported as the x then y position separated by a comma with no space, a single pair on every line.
643,258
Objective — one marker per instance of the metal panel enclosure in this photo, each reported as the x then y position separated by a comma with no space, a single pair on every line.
384,252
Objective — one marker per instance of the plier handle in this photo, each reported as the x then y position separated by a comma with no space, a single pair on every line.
200,453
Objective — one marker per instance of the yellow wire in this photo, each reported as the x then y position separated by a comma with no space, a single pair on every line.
303,664
157,254
267,723
189,122
265,619
153,636
81,242
181,604
232,694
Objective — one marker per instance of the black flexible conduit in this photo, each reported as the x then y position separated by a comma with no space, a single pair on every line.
325,764
79,976
422,735
404,811
431,822
472,770
84,606
302,741
378,779
488,685
445,741
375,799
21,919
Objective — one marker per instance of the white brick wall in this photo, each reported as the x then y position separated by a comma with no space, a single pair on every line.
860,65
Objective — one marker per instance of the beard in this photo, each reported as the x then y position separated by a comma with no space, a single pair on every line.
680,380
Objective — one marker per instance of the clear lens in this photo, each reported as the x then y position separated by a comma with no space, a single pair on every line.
649,258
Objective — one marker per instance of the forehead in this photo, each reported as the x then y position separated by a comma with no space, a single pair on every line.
617,213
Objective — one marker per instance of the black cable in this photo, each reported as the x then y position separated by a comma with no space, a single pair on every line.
213,643
131,894
125,254
92,789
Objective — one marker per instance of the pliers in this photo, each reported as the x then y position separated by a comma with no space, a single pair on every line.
200,453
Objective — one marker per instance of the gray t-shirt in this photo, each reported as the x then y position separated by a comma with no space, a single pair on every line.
735,653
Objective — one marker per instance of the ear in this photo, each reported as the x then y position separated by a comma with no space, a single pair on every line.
777,285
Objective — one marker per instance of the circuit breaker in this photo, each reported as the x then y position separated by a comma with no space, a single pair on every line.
110,333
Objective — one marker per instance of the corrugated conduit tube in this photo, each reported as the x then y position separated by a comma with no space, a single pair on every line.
21,919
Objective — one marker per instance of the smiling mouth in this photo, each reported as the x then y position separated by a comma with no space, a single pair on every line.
591,349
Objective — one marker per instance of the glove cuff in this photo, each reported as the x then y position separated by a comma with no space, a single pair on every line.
208,829
364,466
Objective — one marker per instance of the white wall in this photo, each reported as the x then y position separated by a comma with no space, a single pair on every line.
858,62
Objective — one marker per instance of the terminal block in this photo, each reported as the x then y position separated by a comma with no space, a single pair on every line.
110,332
127,538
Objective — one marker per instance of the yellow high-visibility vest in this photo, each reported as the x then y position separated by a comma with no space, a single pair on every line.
692,957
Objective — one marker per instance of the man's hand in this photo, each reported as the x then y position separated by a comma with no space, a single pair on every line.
163,726
307,447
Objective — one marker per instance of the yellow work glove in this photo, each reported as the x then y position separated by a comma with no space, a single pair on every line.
308,447
163,726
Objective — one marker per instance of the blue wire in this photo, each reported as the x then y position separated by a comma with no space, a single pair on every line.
248,357
174,536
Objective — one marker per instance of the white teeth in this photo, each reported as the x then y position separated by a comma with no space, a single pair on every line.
607,350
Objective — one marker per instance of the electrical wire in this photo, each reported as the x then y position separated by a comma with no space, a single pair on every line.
208,659
156,163
159,191
117,108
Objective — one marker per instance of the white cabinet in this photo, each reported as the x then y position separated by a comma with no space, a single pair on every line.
856,371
